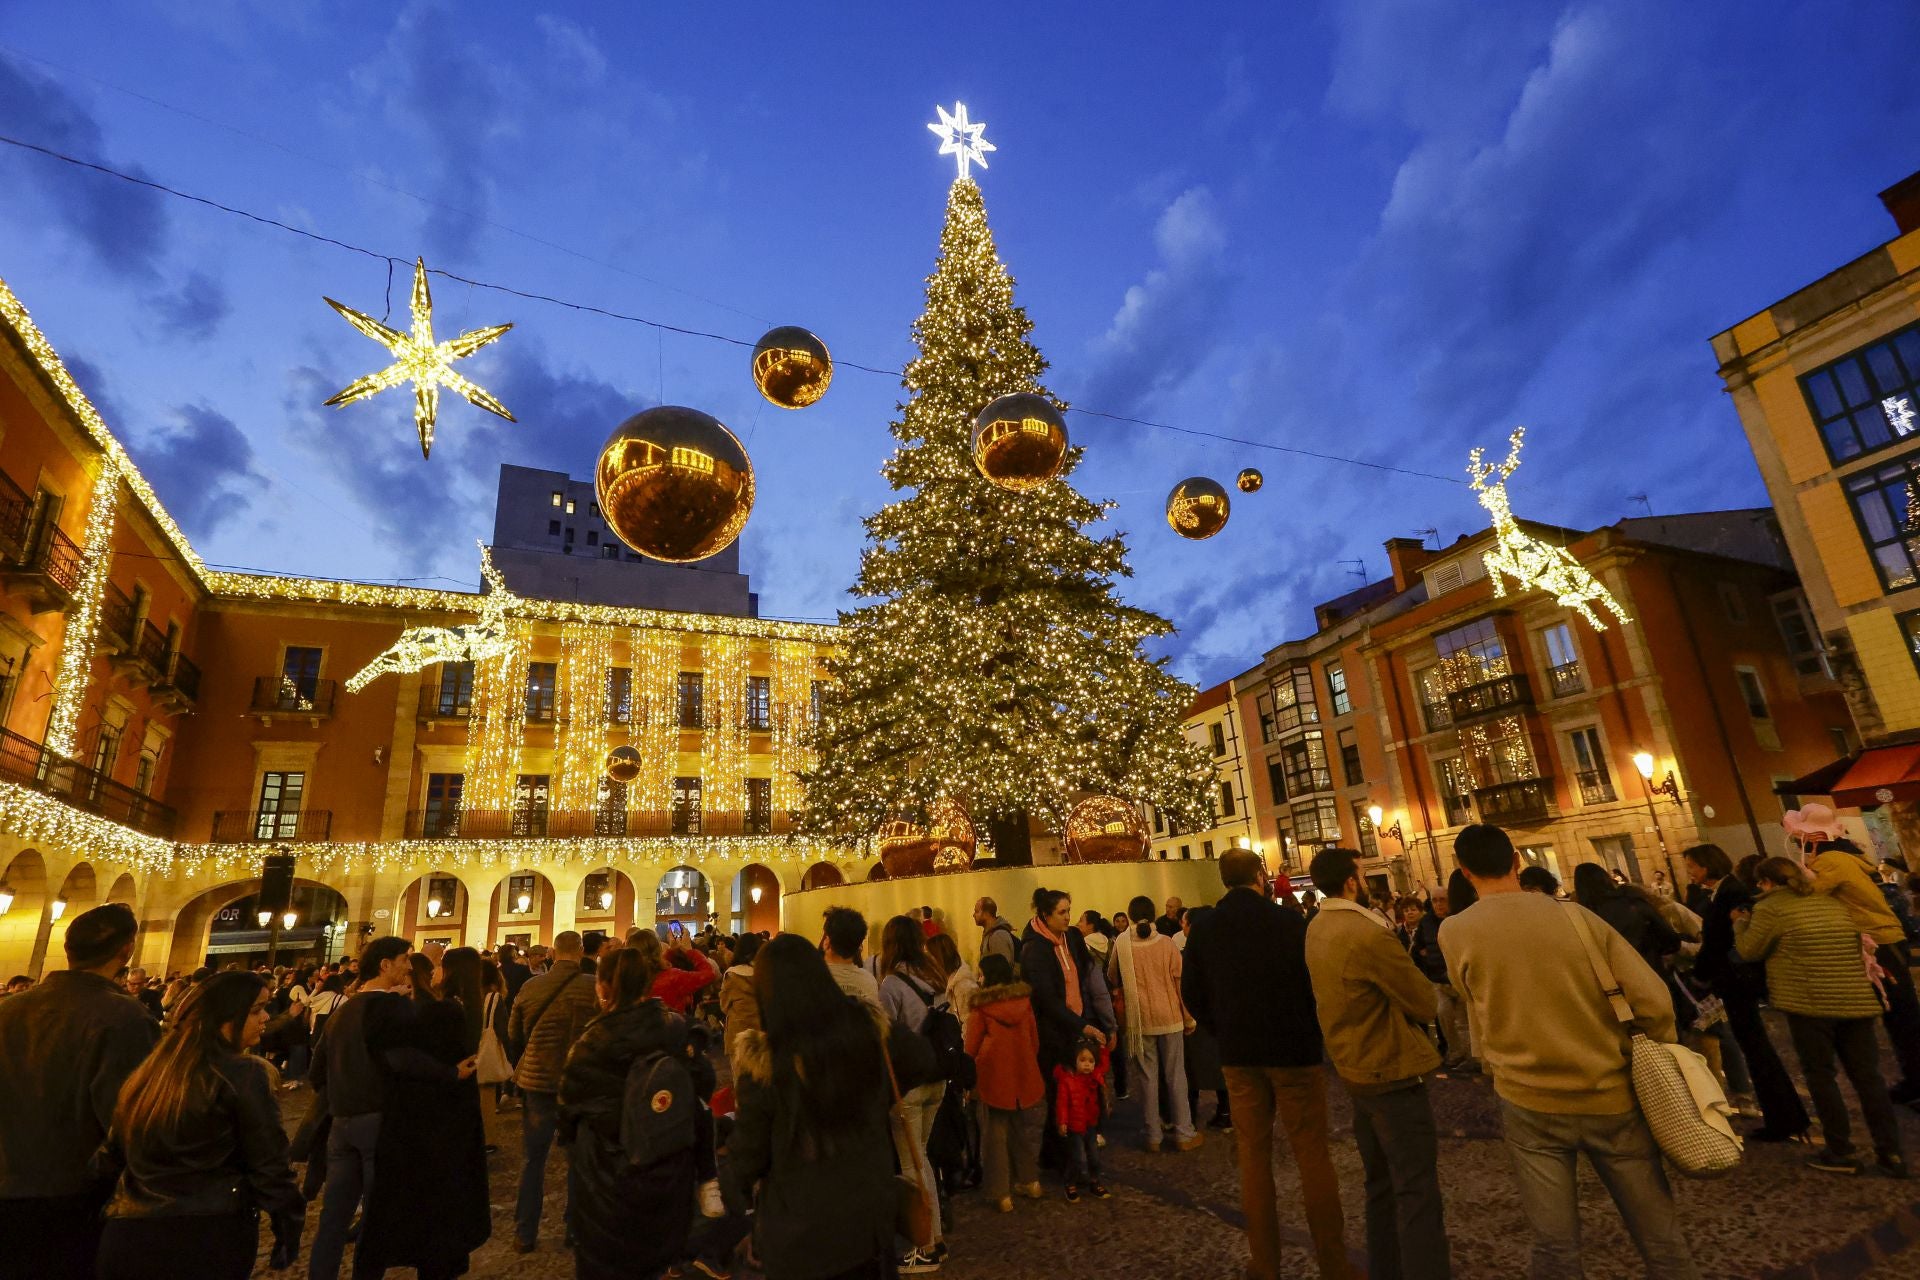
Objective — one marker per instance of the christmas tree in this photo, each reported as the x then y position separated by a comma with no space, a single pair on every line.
995,665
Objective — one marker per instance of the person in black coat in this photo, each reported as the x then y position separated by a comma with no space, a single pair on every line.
1245,979
1738,987
629,1206
1066,1009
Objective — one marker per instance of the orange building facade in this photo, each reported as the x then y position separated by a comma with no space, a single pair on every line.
168,725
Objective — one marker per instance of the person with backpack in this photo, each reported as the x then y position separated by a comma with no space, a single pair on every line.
1003,1040
996,935
913,996
627,1102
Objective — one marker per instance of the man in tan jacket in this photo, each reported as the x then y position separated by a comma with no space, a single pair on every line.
1372,1003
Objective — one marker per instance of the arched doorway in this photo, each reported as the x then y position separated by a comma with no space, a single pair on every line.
754,902
78,893
685,898
822,875
124,890
222,929
434,907
23,902
878,871
521,912
606,903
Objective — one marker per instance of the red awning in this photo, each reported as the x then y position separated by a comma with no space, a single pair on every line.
1880,775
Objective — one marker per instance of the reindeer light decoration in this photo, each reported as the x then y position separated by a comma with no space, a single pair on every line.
421,647
1528,561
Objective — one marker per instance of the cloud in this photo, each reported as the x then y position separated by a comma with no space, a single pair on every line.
572,49
194,310
200,464
1166,322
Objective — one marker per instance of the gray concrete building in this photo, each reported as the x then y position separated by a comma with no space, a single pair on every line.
551,542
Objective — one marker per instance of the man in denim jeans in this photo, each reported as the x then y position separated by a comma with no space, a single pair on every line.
548,1016
1558,1057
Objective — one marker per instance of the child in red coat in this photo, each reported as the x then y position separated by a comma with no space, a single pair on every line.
1079,1106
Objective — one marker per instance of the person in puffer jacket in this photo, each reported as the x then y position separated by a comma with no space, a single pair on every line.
1079,1105
1003,1039
739,1007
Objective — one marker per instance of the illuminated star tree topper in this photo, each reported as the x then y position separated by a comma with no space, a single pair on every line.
960,138
418,359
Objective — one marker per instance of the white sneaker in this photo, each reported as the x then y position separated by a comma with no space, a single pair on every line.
918,1262
710,1203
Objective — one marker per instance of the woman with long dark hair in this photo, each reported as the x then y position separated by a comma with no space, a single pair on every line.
630,1193
428,1207
1144,968
810,1147
200,1147
1054,962
912,984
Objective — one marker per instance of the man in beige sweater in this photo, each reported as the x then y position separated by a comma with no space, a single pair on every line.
1558,1058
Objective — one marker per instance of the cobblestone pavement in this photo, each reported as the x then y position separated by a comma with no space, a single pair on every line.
1177,1215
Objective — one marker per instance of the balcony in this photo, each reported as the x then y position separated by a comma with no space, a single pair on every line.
36,558
1498,696
1596,786
150,650
534,823
1459,810
444,704
288,696
1439,716
177,687
287,826
26,762
540,710
1566,679
1513,803
118,634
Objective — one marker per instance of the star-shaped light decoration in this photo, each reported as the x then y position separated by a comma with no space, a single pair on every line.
418,359
962,139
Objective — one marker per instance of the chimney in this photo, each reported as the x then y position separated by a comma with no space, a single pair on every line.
1902,200
1406,555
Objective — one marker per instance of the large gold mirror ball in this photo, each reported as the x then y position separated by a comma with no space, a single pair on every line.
674,484
623,764
791,367
1197,508
1106,829
1020,441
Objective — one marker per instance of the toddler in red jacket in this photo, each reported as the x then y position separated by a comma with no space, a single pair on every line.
1079,1105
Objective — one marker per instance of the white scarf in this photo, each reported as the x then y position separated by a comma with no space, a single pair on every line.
1137,1028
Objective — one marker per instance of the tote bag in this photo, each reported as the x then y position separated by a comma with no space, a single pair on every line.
913,1200
491,1065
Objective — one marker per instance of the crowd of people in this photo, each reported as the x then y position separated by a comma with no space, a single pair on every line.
876,1073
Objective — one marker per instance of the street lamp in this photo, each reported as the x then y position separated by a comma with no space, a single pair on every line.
291,918
266,919
755,893
1643,761
6,898
59,907
523,903
1374,814
434,906
684,895
606,899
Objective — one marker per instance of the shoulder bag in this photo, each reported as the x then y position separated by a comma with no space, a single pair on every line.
491,1065
526,1037
913,1200
1674,1088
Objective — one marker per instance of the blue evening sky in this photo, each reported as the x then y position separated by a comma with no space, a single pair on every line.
1382,228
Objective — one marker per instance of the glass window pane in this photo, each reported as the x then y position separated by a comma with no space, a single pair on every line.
1908,345
1886,370
1870,424
1879,524
1826,400
1853,384
1895,567
1840,441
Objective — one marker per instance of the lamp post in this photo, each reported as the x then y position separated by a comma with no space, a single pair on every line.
1643,764
271,924
1374,814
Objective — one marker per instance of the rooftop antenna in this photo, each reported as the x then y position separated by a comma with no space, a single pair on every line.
1360,571
1641,498
1429,533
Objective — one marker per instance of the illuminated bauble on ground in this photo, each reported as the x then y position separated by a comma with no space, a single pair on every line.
1105,829
946,843
1020,442
1249,481
1197,508
674,484
623,764
791,367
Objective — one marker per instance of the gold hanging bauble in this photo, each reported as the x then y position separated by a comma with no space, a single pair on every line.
1020,442
674,484
1105,829
1249,481
1197,508
946,843
791,367
623,764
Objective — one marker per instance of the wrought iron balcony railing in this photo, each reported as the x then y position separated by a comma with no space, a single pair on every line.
293,826
288,695
24,761
1510,803
1567,679
1596,786
1497,696
535,822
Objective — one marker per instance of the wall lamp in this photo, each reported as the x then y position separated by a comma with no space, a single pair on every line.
1669,786
1374,814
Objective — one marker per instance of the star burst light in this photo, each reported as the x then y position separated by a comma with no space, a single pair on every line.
418,359
962,139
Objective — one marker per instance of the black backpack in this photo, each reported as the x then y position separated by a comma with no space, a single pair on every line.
949,1042
657,1114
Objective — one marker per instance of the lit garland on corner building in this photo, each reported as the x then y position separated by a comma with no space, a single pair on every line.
83,619
994,664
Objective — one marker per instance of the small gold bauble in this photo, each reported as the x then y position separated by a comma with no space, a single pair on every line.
674,484
791,367
1105,829
623,764
1197,508
1249,481
1020,442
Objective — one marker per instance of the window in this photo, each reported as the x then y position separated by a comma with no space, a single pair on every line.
1456,790
1615,853
759,702
1563,661
1350,758
1263,706
456,689
1753,693
609,552
610,808
1433,698
1317,822
553,528
1796,629
1732,603
1277,779
278,815
299,677
1471,655
1886,506
1542,855
1337,689
686,806
1910,630
1218,732
619,695
1590,770
441,817
593,537
569,506
106,750
1226,800
1186,853
1447,577
557,497
523,896
759,806
541,682
1159,820
1206,848
1293,703
815,693
144,771
1369,838
1866,401
1841,740
530,797
569,538
692,698
597,888
442,898
1306,765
